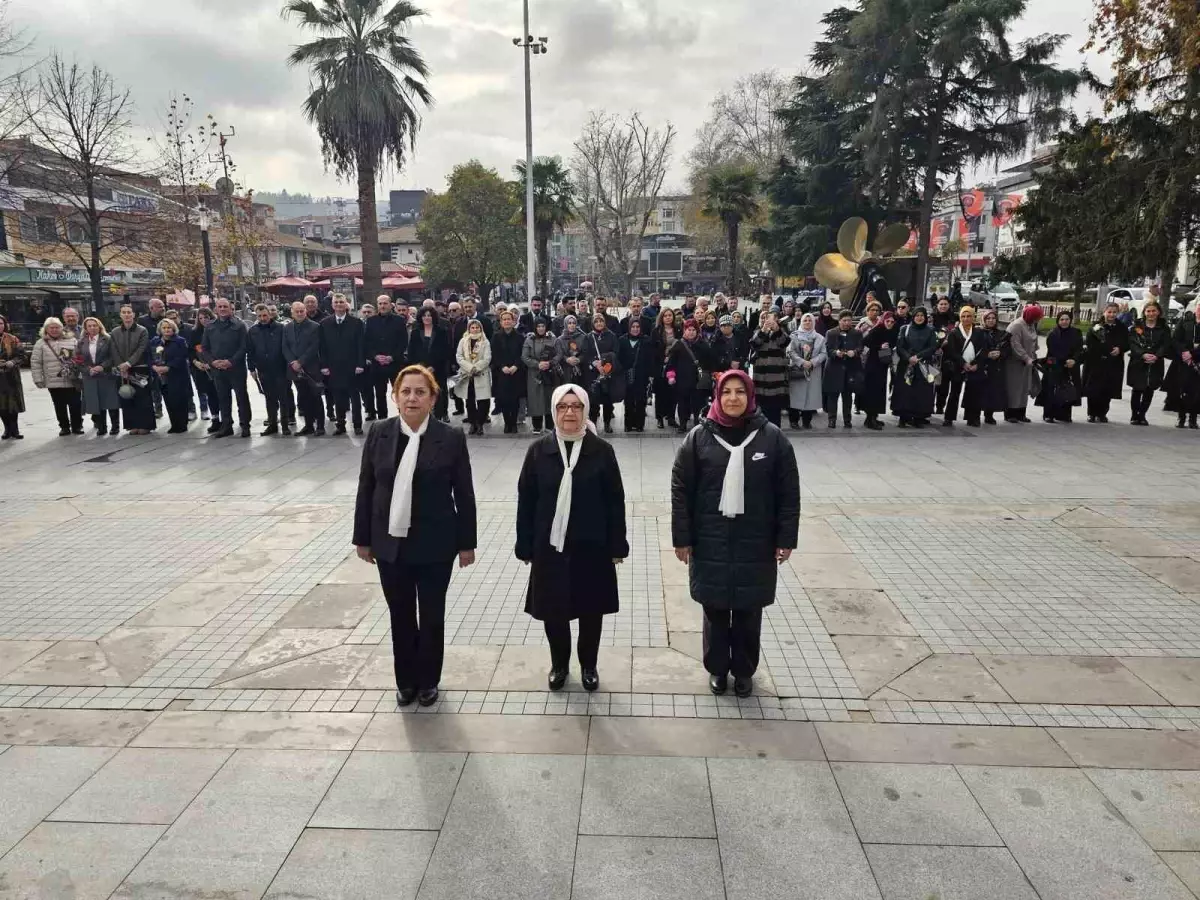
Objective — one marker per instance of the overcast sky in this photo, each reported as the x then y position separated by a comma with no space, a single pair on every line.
666,58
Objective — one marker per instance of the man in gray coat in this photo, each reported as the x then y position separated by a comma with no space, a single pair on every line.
224,349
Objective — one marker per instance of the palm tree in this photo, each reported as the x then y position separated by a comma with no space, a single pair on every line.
364,97
731,196
553,196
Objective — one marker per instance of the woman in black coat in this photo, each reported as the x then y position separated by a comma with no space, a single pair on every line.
572,532
415,514
636,357
429,346
880,344
912,392
826,320
1104,363
668,331
508,370
1060,371
999,348
606,381
1183,380
843,368
681,369
169,356
943,320
966,347
734,526
1149,347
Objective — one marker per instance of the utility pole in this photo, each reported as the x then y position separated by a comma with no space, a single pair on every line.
531,47
225,188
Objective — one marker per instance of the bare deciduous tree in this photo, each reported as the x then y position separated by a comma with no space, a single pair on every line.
13,48
80,118
619,168
742,128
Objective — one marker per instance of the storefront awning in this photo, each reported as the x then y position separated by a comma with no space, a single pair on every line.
7,291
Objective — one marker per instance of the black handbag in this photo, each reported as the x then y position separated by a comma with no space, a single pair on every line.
1065,393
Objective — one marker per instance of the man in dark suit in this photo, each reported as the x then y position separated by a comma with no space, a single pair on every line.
536,311
342,358
471,311
636,311
223,348
385,341
264,356
302,351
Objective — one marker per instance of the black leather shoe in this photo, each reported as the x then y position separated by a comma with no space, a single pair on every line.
406,696
245,431
557,678
743,686
269,430
590,679
718,684
214,427
427,696
339,430
320,432
306,431
358,430
224,433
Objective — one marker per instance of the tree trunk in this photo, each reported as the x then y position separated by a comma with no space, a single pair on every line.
732,236
368,229
929,189
1075,300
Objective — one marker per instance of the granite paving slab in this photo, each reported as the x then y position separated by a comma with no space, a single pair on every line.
1069,679
1163,806
858,612
76,860
34,780
948,873
648,796
391,791
72,727
349,864
952,677
875,661
1175,678
637,868
255,730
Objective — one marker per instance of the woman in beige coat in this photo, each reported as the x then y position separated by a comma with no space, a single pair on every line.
54,367
474,385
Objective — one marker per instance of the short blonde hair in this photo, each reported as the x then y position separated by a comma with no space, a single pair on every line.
166,323
420,372
53,320
102,330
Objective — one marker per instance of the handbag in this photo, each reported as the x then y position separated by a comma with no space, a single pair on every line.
704,380
1065,393
931,373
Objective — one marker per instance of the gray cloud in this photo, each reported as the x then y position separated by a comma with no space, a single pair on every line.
666,58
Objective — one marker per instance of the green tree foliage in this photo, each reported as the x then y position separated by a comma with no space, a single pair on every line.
553,206
731,197
368,83
470,233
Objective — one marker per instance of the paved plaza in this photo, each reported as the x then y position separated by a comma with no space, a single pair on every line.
981,679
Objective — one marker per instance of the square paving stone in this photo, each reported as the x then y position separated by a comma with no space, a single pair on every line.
1068,839
391,790
333,606
1164,807
14,654
1176,678
1187,867
521,667
34,780
232,839
874,661
683,613
1069,679
954,677
652,796
193,604
662,670
948,873
72,727
912,804
639,868
762,806
150,787
819,537
346,864
82,861
858,612
1126,748
510,832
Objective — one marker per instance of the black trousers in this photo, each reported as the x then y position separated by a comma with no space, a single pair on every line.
207,391
664,399
441,406
558,633
364,386
176,403
345,398
1139,403
606,408
381,383
230,383
635,408
1015,413
477,410
156,396
508,408
416,599
942,391
772,408
275,388
68,408
103,425
308,401
1099,406
831,404
10,423
731,641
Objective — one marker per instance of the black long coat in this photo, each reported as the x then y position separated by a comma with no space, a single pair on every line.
506,352
1182,383
1103,373
582,580
443,502
1143,376
434,354
912,395
842,373
385,335
637,362
603,345
342,350
1062,344
733,560
873,398
995,390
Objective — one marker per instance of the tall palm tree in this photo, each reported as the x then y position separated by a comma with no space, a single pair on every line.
731,196
553,196
367,85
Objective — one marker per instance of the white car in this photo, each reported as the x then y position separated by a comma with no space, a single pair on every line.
1004,297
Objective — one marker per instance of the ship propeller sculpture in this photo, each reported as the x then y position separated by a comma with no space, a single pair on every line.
855,267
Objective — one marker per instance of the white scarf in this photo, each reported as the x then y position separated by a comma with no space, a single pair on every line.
400,512
968,350
733,490
562,504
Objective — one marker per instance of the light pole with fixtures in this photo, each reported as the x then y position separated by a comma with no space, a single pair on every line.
204,241
538,47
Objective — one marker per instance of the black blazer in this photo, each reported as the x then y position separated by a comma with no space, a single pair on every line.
443,506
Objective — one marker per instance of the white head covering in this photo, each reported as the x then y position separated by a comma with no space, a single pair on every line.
400,511
562,505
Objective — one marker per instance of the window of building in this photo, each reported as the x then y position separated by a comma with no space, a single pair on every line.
38,229
77,233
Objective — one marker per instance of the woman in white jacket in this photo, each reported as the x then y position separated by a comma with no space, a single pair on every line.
806,365
54,367
474,385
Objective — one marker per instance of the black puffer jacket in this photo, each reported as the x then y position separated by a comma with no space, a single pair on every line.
733,560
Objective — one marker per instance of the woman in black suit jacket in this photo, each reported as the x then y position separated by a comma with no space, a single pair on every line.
429,346
415,535
572,532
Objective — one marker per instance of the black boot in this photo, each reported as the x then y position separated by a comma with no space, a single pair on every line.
1182,423
1192,421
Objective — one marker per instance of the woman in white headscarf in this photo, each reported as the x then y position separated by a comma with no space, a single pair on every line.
735,517
415,514
571,529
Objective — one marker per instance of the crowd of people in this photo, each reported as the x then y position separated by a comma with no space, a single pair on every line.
415,516
319,365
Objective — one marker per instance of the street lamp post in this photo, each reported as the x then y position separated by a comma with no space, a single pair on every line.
531,47
204,241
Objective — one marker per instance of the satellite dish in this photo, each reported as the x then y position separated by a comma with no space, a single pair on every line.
225,187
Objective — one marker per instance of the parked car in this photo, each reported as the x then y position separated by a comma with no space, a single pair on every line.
1004,297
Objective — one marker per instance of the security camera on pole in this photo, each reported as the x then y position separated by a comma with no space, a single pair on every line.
538,46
